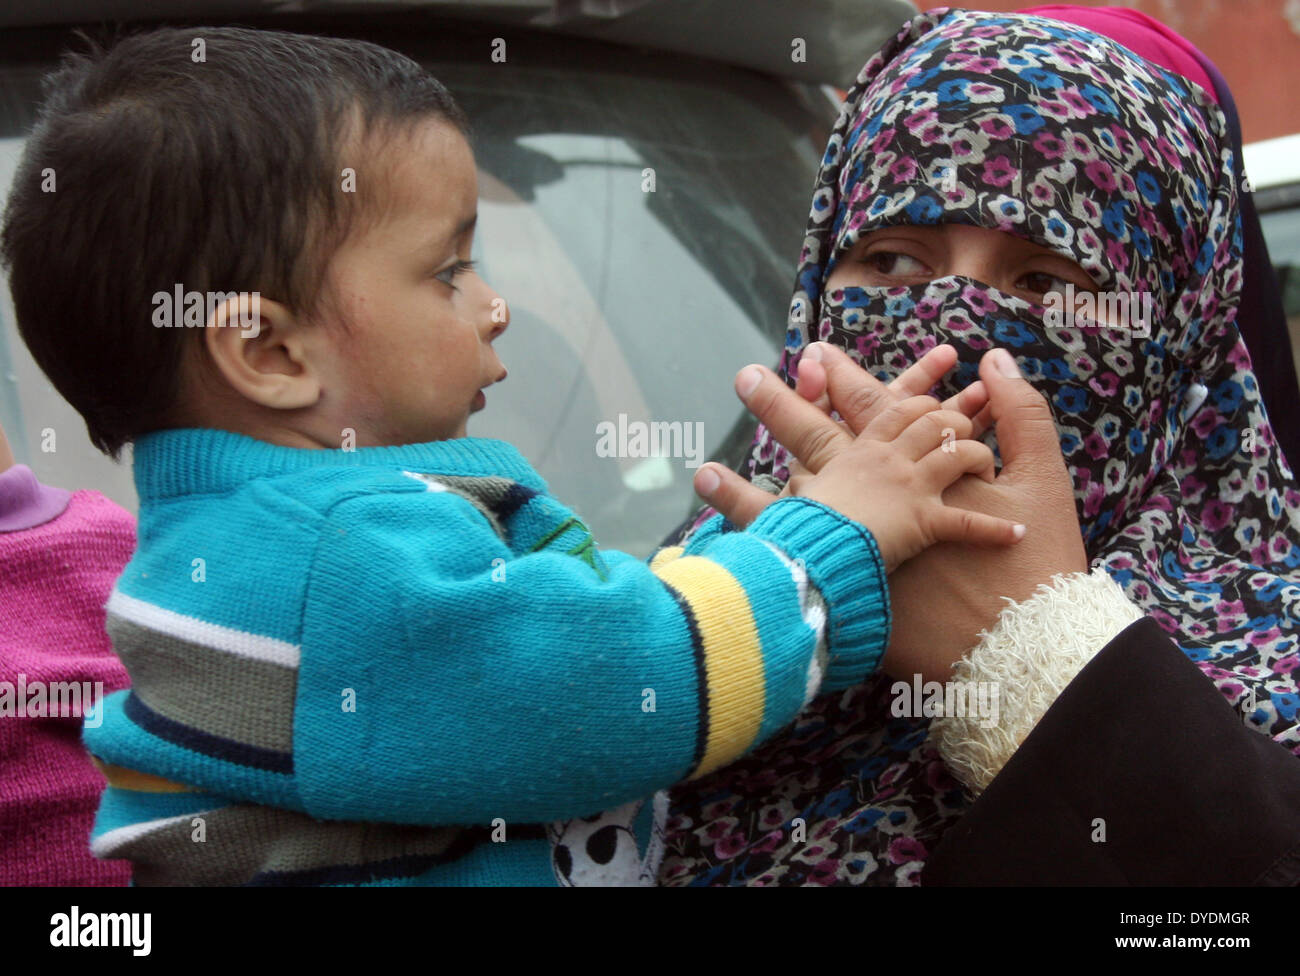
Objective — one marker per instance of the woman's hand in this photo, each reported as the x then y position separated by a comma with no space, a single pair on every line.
943,598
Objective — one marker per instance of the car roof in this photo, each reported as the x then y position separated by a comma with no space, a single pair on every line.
1273,162
838,35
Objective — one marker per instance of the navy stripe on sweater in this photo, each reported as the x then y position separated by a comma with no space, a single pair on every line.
210,745
701,675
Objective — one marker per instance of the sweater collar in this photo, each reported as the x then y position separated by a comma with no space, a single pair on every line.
203,460
26,503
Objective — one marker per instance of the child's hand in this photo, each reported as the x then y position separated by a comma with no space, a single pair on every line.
890,476
826,372
813,384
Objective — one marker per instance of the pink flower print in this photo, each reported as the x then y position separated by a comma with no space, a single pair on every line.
958,322
1081,147
1231,614
1206,422
998,171
1169,152
825,872
1167,623
1049,145
883,138
1057,109
892,773
1216,515
903,170
919,120
1123,141
720,828
931,134
997,127
867,344
1287,664
980,92
1079,106
729,846
1192,489
1263,638
904,849
1118,254
1106,385
978,300
715,810
962,147
1101,175
1092,499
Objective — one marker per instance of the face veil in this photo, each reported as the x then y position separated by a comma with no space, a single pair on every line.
1055,134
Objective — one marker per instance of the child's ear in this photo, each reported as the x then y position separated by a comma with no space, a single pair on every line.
264,352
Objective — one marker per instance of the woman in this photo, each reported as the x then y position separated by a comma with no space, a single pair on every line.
1121,171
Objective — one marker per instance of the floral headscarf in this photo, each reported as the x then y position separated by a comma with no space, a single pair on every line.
1055,134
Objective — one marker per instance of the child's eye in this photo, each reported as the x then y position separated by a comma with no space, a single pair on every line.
894,263
449,274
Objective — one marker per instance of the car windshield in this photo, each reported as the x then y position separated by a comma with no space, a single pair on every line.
641,215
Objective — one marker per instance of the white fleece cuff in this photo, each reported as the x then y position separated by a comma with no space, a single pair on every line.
1033,651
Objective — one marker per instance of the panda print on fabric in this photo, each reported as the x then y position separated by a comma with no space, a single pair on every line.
602,850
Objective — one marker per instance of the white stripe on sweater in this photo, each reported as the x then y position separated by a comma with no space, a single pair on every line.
106,843
254,646
812,607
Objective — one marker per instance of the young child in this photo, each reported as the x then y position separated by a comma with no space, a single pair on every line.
60,552
364,647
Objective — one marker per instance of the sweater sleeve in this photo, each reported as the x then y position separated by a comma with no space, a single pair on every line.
445,679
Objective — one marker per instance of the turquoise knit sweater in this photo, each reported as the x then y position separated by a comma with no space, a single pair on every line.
412,665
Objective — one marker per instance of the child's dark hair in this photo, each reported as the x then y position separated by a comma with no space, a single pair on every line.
216,165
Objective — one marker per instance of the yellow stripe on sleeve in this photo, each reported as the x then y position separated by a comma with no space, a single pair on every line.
131,779
664,556
733,656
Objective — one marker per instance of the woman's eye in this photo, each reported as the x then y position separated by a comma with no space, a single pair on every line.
449,274
1042,283
893,263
